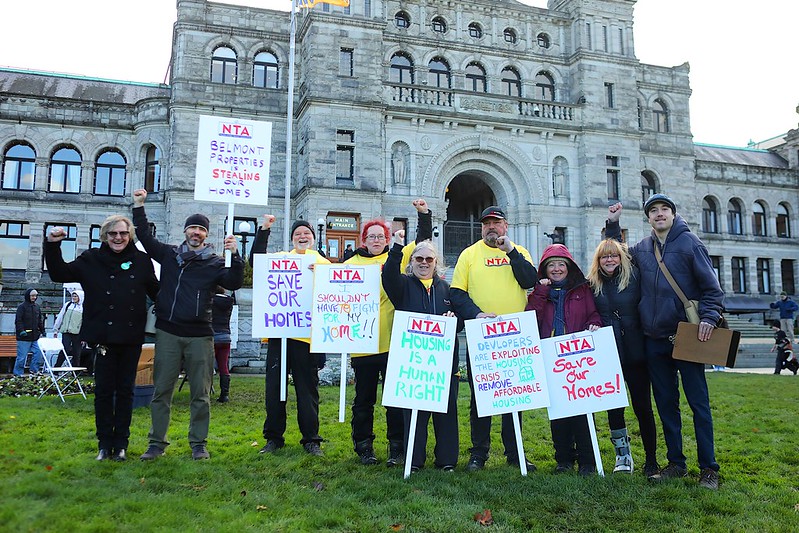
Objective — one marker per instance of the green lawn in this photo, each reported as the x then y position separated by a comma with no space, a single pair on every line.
51,482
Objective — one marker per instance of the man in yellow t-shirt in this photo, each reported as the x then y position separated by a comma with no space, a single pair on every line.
490,279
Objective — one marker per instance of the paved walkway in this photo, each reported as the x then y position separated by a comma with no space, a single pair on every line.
769,370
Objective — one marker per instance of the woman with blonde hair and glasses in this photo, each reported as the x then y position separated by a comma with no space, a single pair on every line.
616,285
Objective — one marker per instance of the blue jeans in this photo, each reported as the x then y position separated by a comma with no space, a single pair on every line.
665,387
23,347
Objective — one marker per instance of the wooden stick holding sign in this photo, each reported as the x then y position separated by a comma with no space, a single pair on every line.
508,372
229,231
419,369
584,376
346,313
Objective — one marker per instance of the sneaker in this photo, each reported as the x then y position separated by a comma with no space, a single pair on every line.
271,446
103,455
564,468
448,468
476,462
313,448
586,470
415,469
395,455
709,479
651,468
199,452
152,452
514,461
119,455
670,471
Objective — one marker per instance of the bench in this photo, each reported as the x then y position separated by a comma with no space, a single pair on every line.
8,350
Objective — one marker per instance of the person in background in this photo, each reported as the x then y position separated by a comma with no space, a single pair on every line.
785,355
616,284
564,304
348,252
788,309
422,290
68,323
221,309
29,325
116,279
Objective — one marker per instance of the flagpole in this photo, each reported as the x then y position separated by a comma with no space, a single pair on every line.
289,130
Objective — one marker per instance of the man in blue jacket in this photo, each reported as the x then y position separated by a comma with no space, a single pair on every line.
184,337
661,310
787,309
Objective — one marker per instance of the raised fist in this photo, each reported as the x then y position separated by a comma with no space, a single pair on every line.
268,221
139,195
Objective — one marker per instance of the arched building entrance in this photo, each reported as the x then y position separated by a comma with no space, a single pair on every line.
466,195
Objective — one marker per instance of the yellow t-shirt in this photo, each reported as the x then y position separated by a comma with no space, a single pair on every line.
486,275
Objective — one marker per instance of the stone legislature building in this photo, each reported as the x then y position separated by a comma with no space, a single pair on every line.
545,112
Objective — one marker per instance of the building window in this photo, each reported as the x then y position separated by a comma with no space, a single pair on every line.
783,221
345,155
661,115
14,244
640,116
543,40
764,276
621,41
786,268
345,62
511,82
439,25
152,169
510,35
735,218
605,39
109,174
402,20
438,74
739,275
715,261
588,41
401,69
710,222
544,87
610,100
69,246
19,167
475,78
759,220
648,186
612,163
475,31
65,171
94,236
223,66
265,71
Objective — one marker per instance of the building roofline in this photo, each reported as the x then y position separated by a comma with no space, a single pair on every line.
80,77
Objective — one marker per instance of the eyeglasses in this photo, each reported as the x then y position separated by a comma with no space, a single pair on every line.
419,259
122,234
609,256
380,237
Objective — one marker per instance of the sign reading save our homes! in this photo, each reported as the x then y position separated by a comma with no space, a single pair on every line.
345,314
233,160
584,373
419,368
282,295
507,368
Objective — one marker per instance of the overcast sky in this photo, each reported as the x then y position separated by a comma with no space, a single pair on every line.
742,53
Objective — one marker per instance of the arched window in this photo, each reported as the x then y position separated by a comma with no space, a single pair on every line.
543,40
510,35
475,78
65,171
402,20
439,25
109,174
783,221
660,112
710,222
438,73
759,220
475,31
544,87
224,68
735,218
152,169
265,70
648,185
511,82
401,69
19,167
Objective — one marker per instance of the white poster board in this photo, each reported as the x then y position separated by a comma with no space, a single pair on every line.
419,368
584,373
282,294
232,160
508,372
345,315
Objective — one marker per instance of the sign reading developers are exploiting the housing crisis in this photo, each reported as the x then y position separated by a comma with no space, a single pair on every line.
507,367
419,370
233,160
282,294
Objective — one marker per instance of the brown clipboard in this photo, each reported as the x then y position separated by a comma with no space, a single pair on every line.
720,349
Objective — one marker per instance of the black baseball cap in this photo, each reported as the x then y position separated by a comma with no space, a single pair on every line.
492,212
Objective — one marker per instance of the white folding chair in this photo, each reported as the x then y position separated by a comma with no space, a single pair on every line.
63,378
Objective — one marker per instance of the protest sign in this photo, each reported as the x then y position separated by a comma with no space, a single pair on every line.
584,373
507,368
419,367
282,295
345,315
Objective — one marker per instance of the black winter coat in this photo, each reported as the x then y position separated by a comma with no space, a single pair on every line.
115,286
29,320
620,310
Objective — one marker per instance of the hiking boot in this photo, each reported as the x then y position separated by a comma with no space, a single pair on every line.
152,452
651,467
564,468
514,461
586,470
396,451
119,455
271,446
103,455
709,479
199,452
313,448
670,471
476,462
366,452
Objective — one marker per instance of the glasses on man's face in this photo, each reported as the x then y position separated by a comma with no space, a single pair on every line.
379,237
609,256
419,259
115,234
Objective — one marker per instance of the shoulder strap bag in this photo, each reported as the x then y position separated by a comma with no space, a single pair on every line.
691,306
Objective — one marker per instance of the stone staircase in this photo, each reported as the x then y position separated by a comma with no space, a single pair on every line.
756,341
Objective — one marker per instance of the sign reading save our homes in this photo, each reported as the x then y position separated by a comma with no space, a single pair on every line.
233,160
419,371
345,313
282,295
584,373
507,368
